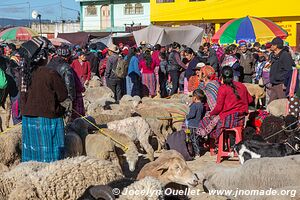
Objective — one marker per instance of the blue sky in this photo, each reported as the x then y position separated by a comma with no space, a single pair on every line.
19,9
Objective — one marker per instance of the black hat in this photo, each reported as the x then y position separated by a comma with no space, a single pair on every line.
278,42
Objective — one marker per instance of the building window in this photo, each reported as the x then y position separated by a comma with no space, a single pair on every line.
91,10
165,1
105,13
129,9
139,9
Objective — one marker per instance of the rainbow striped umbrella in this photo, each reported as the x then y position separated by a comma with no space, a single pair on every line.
18,33
250,29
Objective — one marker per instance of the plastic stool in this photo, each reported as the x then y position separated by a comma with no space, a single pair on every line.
226,140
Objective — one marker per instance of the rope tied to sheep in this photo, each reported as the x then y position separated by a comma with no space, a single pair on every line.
124,147
270,136
8,129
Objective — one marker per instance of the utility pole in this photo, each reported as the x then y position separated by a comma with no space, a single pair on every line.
29,14
61,10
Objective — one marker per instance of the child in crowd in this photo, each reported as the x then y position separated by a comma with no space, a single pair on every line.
162,74
196,113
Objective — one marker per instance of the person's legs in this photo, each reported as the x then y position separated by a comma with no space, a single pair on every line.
276,92
162,85
118,89
195,141
175,81
135,79
111,85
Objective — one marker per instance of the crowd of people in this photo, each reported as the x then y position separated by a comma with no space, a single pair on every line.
46,84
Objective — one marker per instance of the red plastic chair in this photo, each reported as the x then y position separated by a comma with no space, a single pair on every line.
226,140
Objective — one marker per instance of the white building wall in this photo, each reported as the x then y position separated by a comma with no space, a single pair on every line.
120,18
91,22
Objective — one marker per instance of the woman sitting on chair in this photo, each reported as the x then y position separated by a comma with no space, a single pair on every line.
232,103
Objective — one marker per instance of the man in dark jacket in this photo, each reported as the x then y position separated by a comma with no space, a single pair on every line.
282,63
211,56
175,65
246,62
59,64
112,81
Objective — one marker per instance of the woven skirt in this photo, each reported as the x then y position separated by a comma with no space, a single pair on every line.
149,84
42,139
230,121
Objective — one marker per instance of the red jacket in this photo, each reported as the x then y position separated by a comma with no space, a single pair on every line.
155,58
83,71
143,67
227,103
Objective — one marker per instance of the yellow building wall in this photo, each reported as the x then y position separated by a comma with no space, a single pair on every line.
223,10
291,28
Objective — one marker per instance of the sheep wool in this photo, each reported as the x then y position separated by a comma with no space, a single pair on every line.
255,174
10,148
65,179
149,185
137,129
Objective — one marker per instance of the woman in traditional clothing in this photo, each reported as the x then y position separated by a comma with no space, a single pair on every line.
148,76
42,91
210,87
232,103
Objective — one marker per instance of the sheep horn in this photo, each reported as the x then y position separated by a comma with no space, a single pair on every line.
102,192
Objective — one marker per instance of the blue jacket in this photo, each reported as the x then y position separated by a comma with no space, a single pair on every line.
134,66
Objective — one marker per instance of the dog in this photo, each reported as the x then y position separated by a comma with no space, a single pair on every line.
250,149
257,91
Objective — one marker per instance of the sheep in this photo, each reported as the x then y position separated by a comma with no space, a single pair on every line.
101,147
256,174
10,148
65,179
169,167
126,189
94,147
278,107
137,129
159,121
256,90
152,187
131,154
73,145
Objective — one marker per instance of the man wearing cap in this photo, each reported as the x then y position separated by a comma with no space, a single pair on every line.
246,61
112,81
282,63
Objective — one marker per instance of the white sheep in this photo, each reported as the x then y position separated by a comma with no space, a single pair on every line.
137,129
256,174
148,188
61,180
101,147
10,146
169,167
159,120
278,107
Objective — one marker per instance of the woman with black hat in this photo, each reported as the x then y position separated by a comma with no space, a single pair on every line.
42,91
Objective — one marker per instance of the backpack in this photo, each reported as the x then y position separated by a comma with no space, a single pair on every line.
121,68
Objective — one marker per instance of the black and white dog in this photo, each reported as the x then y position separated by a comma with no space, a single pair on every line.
249,149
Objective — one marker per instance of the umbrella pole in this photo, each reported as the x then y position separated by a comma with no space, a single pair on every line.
40,19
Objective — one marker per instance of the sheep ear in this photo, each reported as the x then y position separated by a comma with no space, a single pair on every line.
163,168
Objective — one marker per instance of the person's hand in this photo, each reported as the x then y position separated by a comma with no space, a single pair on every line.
86,83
